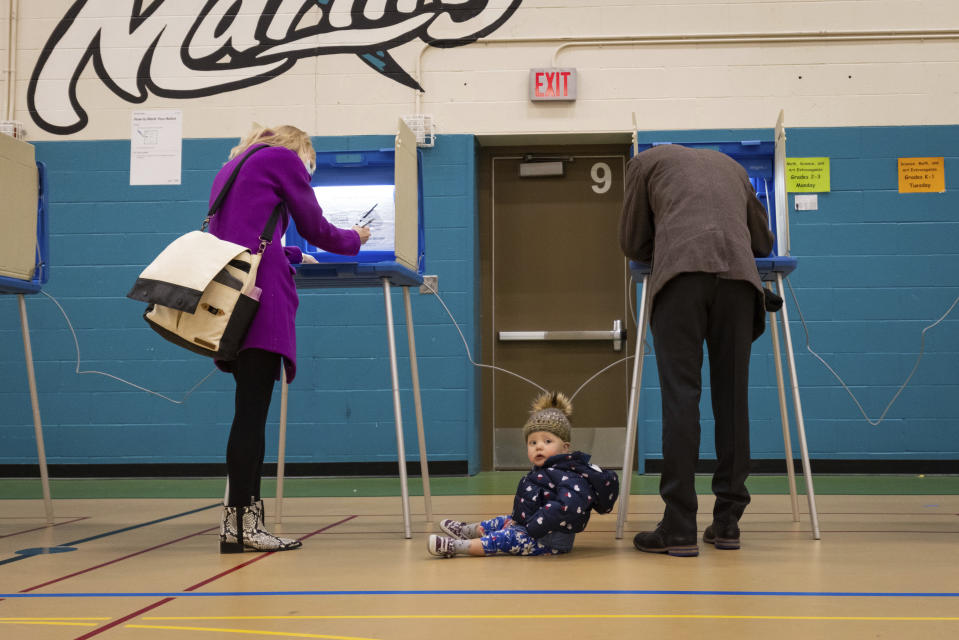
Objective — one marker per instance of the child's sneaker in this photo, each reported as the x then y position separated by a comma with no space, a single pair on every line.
440,546
455,529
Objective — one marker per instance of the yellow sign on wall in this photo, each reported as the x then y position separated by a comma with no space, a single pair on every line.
807,175
922,175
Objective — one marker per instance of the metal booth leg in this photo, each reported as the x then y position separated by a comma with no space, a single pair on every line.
418,404
797,406
397,411
35,404
784,414
632,414
401,452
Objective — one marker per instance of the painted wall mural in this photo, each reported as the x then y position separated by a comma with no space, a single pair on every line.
181,49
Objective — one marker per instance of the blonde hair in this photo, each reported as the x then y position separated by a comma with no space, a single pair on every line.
288,136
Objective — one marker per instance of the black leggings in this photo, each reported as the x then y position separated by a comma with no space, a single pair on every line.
255,373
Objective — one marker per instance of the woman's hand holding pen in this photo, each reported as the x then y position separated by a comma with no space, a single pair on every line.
364,233
362,226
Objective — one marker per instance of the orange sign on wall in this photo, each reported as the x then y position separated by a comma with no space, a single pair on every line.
922,175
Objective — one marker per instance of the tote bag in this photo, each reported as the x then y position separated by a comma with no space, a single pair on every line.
201,290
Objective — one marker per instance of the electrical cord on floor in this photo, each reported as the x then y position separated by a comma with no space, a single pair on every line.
922,341
76,343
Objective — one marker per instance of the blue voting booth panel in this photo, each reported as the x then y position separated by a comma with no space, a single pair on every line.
768,267
352,171
757,157
42,272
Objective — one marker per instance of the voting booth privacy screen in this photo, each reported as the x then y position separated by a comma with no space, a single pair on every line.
378,188
23,218
765,164
758,158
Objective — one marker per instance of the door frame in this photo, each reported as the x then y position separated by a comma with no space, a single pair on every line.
489,146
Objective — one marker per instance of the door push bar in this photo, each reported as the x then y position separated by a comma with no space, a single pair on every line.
617,335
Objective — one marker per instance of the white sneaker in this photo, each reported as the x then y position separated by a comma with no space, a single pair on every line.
440,546
454,529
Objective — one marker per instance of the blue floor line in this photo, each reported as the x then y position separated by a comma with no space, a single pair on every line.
494,592
114,532
143,524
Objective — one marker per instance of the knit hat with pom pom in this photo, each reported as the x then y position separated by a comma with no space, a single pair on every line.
550,413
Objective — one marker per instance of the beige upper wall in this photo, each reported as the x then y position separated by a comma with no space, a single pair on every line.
483,87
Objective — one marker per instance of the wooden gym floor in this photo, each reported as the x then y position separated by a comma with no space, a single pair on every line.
887,566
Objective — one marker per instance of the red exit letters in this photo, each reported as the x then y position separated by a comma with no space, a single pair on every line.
552,84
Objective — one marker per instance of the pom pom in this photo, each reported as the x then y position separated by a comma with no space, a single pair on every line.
553,400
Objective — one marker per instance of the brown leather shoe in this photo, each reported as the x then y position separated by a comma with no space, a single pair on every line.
659,541
722,536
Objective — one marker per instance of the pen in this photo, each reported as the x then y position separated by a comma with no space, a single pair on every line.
360,222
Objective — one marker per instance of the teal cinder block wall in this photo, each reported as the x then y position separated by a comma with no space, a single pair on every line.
875,268
103,232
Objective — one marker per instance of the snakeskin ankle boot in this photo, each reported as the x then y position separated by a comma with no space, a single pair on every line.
250,535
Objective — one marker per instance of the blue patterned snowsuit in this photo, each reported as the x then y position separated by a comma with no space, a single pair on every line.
552,504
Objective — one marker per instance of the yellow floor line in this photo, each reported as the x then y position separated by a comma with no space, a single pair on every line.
59,618
55,623
246,631
548,616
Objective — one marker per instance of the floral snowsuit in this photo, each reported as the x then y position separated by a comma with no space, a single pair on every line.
552,504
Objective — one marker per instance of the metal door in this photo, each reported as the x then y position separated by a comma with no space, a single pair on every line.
556,306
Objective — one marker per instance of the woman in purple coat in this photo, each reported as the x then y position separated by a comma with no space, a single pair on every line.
276,175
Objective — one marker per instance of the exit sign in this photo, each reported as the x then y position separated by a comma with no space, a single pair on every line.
552,84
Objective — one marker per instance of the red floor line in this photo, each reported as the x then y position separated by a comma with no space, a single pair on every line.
196,586
120,621
262,555
56,524
104,564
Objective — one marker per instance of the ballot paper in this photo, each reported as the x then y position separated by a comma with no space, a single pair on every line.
366,205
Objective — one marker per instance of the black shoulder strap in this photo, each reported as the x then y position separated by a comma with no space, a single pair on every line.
267,236
226,188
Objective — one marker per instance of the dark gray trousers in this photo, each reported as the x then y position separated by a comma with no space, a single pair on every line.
690,309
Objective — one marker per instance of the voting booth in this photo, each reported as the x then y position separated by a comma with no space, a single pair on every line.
765,163
368,188
24,264
382,189
23,218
